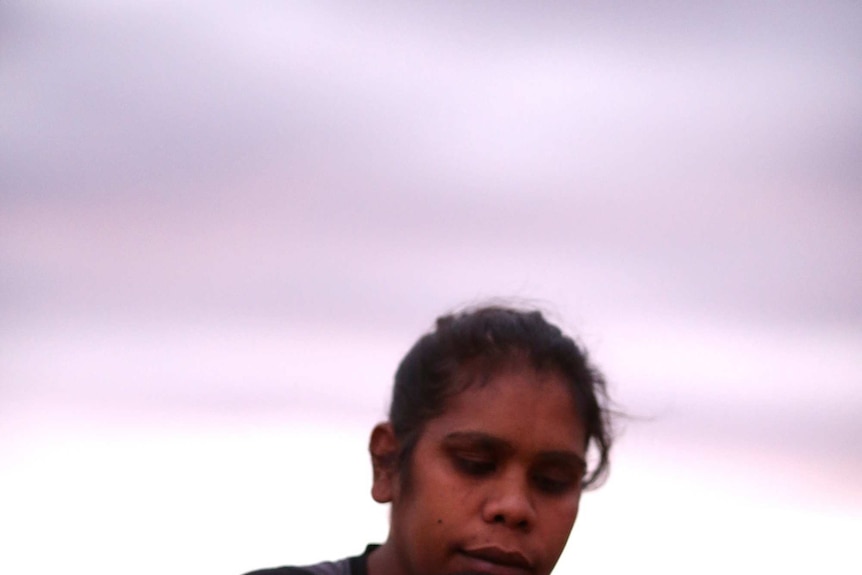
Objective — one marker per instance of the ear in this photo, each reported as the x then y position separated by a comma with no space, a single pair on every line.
384,452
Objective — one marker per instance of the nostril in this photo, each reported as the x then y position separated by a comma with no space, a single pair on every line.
500,518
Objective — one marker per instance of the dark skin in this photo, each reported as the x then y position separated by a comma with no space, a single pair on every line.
490,491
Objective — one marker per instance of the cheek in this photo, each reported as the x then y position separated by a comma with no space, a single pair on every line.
441,483
558,525
442,505
448,499
432,496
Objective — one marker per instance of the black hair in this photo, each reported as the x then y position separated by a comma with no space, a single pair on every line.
469,347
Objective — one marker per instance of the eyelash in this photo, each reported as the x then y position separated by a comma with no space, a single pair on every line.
553,486
475,467
483,467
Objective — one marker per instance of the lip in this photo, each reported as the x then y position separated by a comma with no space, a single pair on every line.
510,561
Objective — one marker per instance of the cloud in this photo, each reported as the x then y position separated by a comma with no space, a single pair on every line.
682,170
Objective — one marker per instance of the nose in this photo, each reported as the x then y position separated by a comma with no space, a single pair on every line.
509,502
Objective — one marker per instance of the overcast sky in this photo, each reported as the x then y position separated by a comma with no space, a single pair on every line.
253,209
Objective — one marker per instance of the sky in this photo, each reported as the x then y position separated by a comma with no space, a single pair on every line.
222,225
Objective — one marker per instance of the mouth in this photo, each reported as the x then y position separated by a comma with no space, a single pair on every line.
497,560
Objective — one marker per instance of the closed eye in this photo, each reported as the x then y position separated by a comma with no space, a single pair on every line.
475,466
553,485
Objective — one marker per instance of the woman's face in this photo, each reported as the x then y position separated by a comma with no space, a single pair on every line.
494,484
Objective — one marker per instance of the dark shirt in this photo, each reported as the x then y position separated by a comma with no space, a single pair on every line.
351,566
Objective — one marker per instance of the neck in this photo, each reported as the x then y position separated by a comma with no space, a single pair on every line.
384,561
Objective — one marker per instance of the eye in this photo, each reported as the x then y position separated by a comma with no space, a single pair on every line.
475,465
556,483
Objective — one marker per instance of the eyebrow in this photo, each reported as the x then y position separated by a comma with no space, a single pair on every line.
493,443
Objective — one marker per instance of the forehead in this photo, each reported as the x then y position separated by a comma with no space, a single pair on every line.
535,411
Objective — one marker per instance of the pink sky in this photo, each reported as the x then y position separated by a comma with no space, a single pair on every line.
221,220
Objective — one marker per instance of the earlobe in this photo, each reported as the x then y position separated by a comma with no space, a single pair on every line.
384,450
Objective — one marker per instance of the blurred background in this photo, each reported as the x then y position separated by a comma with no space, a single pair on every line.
223,223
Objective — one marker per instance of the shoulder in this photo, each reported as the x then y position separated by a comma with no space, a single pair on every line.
342,567
351,566
280,571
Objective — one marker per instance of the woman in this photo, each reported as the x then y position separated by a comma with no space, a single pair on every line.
484,456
